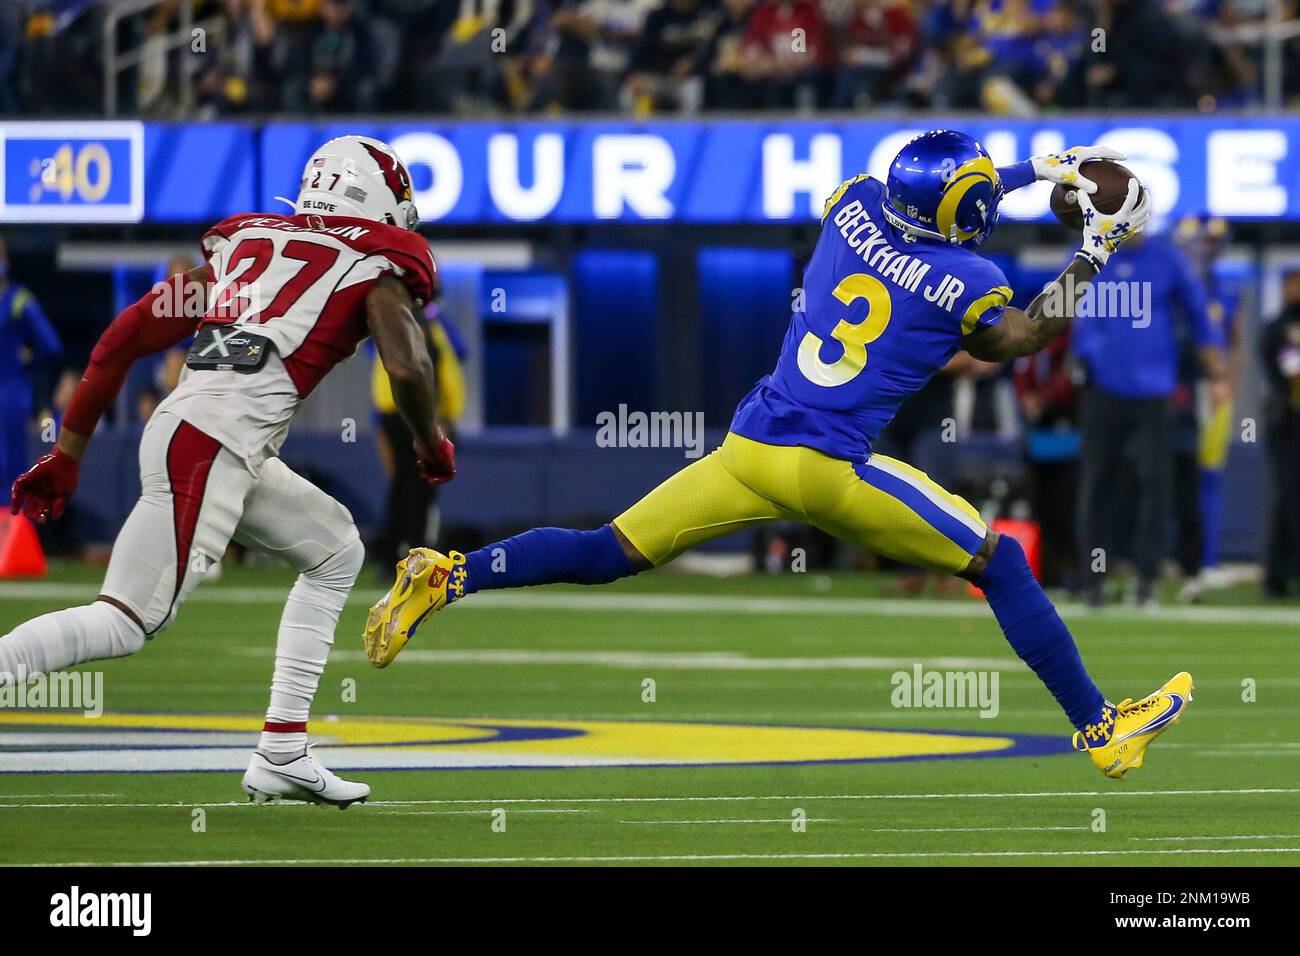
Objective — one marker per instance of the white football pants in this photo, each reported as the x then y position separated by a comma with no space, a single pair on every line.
196,497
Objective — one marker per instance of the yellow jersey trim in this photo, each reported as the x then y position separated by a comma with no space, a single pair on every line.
997,296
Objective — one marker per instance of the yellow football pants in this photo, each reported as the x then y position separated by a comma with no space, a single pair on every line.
883,505
1216,439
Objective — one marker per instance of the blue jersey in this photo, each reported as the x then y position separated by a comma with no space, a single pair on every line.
25,334
1138,357
877,317
1223,300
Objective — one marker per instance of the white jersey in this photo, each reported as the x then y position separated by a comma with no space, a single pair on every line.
300,282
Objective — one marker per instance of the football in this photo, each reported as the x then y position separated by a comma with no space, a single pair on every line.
1112,189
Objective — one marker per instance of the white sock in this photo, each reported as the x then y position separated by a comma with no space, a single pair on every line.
303,647
60,639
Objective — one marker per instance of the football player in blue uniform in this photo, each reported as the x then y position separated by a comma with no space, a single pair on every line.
27,340
1204,239
894,288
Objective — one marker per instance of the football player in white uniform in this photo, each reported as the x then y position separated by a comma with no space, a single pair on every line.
281,300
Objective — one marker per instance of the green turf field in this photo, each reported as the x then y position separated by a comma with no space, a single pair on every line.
745,671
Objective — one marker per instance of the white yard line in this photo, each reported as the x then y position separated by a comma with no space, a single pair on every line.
1248,753
52,796
134,806
1012,671
670,660
853,719
786,820
486,811
969,829
1240,745
746,798
1248,836
595,601
672,858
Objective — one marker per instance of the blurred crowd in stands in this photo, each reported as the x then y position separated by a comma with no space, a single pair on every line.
484,57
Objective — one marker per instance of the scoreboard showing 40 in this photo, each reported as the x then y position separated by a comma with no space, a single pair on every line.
72,172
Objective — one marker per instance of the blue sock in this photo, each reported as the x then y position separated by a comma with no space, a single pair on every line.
1037,633
547,556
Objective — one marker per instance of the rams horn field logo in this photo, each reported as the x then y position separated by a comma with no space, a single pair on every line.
51,742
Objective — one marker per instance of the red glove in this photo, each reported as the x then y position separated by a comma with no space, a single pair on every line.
437,465
42,491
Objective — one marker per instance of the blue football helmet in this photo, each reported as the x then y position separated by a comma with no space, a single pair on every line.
943,186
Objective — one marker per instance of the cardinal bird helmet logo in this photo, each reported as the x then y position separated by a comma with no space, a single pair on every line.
396,177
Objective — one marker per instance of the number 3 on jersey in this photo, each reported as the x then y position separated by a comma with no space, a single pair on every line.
855,337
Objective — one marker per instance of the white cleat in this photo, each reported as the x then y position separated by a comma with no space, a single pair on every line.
302,778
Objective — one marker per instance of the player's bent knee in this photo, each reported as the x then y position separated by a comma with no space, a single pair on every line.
979,562
637,562
1007,569
114,634
154,623
340,570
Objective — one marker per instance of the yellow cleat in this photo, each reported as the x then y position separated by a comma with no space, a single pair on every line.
1118,743
424,579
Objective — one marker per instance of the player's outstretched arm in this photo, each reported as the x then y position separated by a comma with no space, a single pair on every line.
164,316
1024,333
400,341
